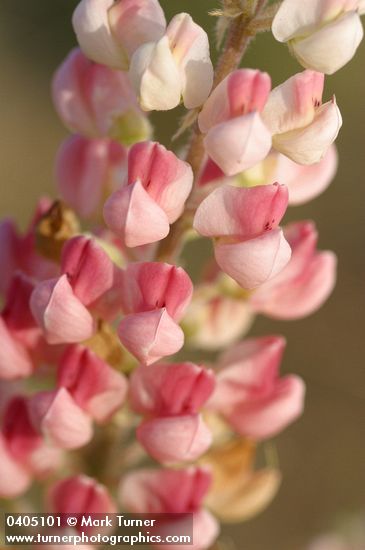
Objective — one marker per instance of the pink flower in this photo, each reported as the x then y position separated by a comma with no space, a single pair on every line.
249,393
96,387
155,297
165,491
249,245
80,495
236,137
109,32
158,183
60,420
60,314
303,128
18,251
60,305
96,101
87,171
22,344
23,452
175,67
304,284
172,395
325,36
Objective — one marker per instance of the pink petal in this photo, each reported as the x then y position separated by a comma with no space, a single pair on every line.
251,263
153,285
243,91
14,478
125,214
170,389
248,370
238,144
60,419
306,182
86,170
97,388
265,418
167,179
15,361
80,495
175,438
62,316
162,491
82,257
304,284
151,335
241,212
292,105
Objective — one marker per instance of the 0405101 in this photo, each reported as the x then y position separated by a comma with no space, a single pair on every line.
24,520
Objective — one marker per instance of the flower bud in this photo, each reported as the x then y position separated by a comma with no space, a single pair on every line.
325,37
303,129
109,32
60,420
168,491
97,388
236,137
158,183
87,171
89,270
249,246
61,315
80,495
175,67
170,389
96,101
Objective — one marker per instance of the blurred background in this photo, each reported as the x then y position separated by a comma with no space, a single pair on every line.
323,455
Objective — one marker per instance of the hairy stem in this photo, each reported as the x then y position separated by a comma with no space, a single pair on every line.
239,35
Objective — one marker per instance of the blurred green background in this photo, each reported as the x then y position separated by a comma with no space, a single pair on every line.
323,455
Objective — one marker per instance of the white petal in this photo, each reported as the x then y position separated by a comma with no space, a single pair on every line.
309,145
332,46
155,76
91,24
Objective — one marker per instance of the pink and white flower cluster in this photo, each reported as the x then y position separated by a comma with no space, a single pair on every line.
88,335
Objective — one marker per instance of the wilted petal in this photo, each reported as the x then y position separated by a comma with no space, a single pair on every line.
60,419
63,318
175,438
239,143
125,214
151,335
155,76
190,49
